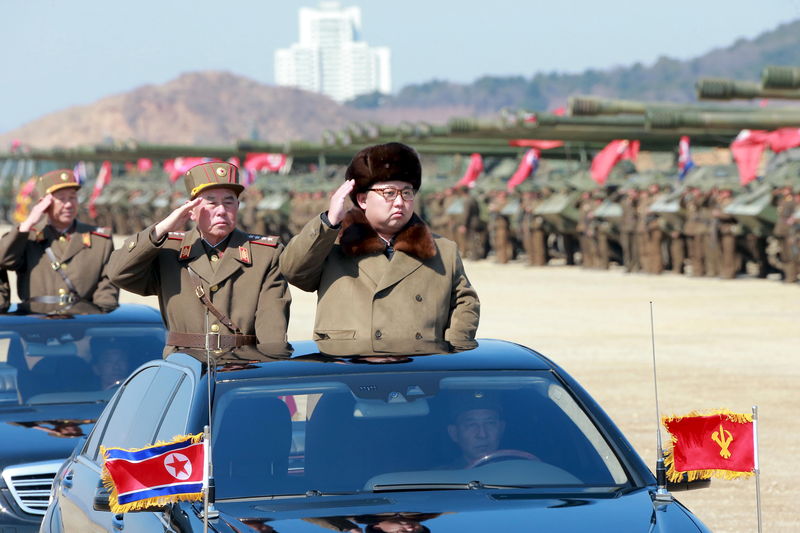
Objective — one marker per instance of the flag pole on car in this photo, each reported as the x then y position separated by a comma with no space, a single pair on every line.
662,494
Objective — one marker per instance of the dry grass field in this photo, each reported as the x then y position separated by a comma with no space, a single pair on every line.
719,344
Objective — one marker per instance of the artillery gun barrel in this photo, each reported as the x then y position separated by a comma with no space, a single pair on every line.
590,106
774,77
723,89
164,151
764,120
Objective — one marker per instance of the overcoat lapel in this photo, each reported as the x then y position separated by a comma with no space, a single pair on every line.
401,266
197,258
232,258
75,244
374,267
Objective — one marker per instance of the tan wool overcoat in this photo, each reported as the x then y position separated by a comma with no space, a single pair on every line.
421,294
245,284
82,252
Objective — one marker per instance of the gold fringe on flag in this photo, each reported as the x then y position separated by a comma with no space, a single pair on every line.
146,503
669,461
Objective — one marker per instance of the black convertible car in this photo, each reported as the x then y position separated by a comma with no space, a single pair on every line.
57,373
493,438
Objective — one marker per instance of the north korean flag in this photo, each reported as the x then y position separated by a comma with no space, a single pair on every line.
156,474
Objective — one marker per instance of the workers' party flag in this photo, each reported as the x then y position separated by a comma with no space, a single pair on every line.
704,445
155,475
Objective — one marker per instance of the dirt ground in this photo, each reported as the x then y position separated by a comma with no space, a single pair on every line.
719,344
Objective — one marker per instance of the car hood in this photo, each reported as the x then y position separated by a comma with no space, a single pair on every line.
469,510
44,432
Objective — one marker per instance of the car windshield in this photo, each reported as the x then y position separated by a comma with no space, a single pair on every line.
412,431
69,361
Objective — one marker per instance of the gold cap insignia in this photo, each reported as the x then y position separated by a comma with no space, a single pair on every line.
222,172
64,176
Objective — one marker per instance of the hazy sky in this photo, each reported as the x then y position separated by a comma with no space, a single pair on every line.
59,53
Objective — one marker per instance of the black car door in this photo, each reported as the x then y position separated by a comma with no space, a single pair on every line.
152,405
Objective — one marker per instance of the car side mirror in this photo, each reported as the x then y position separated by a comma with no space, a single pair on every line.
684,484
100,501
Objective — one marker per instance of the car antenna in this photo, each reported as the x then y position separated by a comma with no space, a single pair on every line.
662,494
209,510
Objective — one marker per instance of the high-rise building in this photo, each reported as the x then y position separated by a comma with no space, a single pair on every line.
330,57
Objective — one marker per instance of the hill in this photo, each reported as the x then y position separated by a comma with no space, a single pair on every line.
666,80
219,108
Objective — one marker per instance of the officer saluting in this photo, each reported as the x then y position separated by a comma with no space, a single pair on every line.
217,287
63,261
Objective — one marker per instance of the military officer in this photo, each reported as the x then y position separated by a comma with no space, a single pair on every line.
61,261
218,287
382,277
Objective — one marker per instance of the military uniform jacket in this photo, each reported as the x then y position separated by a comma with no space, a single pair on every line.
83,254
246,284
366,299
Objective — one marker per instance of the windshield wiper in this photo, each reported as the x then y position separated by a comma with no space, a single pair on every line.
429,486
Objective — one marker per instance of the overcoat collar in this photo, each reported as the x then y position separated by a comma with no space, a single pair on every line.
75,234
193,253
413,244
358,238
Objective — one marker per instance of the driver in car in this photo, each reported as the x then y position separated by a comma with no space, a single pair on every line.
476,428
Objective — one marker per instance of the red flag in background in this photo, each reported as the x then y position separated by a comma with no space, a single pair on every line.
540,144
749,146
784,139
747,149
264,161
613,153
474,170
103,179
144,165
718,444
176,167
527,167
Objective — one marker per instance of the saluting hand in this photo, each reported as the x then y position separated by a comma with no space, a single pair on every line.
37,212
336,210
178,218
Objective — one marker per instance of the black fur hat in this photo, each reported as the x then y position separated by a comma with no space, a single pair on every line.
384,162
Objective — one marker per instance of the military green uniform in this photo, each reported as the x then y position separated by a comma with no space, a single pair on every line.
221,297
77,269
367,300
242,281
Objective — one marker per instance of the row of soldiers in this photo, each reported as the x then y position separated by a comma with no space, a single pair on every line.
649,229
644,227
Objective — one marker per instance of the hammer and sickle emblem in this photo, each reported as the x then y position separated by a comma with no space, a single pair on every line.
724,438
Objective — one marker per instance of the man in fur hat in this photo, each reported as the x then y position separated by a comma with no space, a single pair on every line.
218,287
382,278
60,261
